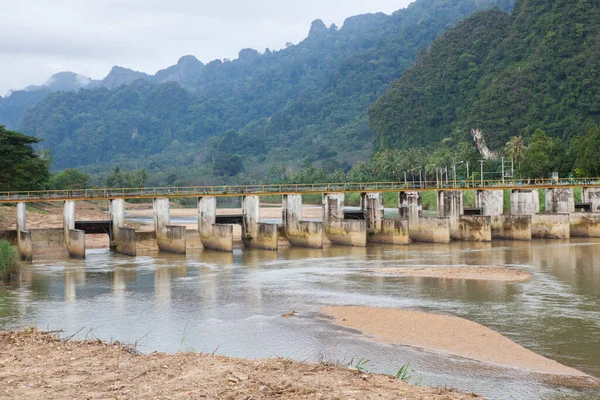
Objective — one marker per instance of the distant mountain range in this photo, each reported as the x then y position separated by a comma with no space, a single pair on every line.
304,104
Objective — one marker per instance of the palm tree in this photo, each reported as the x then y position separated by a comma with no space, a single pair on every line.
515,148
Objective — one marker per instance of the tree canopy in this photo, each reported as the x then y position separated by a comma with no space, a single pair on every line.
21,167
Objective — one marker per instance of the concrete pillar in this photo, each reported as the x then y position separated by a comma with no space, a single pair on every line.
379,229
591,195
512,227
410,205
524,202
116,209
450,205
338,230
299,233
550,226
254,233
24,241
162,217
491,202
213,236
585,224
74,238
560,200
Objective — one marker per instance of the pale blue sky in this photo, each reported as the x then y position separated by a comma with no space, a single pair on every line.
39,37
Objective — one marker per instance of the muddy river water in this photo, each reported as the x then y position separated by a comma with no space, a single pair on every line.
232,304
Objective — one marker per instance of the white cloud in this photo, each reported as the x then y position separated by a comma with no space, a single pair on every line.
39,38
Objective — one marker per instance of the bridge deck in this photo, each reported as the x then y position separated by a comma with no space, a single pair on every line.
268,190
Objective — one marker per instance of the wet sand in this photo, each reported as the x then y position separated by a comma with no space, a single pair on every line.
466,272
445,334
35,365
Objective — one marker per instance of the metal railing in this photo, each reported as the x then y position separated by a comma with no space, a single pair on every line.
288,188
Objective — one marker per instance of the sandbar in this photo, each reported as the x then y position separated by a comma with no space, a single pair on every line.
464,272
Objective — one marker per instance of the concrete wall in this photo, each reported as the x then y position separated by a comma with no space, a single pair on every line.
48,236
560,200
431,230
170,238
299,233
592,196
145,241
585,224
476,228
126,243
491,202
450,205
410,205
254,233
524,202
512,227
213,237
116,209
192,240
338,230
550,226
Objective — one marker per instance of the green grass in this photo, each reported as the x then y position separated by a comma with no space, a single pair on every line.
404,373
9,261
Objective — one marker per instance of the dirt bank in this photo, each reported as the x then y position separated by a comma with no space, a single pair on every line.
446,334
34,365
466,272
50,215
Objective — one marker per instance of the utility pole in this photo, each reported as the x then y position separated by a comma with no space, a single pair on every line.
502,170
481,162
454,171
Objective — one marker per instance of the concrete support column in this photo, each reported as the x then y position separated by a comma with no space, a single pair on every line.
491,202
169,238
524,202
213,236
592,196
254,233
74,239
410,205
450,205
299,233
122,240
379,229
338,230
560,200
24,241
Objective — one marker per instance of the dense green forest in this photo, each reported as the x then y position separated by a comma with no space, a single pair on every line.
531,77
305,104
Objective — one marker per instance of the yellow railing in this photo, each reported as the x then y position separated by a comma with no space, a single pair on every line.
287,188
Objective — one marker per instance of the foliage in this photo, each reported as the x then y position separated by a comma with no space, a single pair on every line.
507,76
404,373
21,168
303,104
128,179
361,365
70,178
9,261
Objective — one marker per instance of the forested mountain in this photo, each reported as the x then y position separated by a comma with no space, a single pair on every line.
504,75
304,103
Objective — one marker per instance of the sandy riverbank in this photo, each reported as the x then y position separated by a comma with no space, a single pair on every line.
35,365
465,272
449,335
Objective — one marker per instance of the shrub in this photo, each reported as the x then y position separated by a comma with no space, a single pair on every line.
9,261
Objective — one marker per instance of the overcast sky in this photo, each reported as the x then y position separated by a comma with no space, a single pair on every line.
40,37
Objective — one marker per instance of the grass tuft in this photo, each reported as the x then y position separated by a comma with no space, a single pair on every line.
9,261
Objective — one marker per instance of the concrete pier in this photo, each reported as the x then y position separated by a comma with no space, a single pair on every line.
430,230
511,227
74,238
24,241
127,241
299,233
410,206
450,205
550,226
116,209
379,229
213,236
560,200
585,224
170,238
338,230
254,233
491,202
592,196
524,202
474,228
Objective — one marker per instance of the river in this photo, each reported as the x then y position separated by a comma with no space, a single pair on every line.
232,304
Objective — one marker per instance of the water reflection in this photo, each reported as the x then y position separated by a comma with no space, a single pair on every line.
234,301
